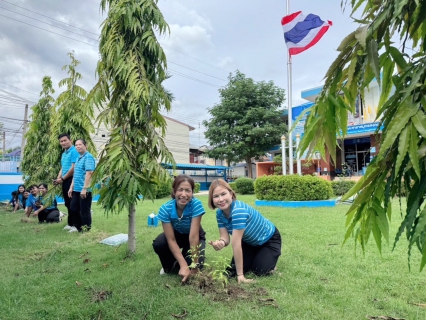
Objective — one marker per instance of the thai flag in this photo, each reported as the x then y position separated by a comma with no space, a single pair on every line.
302,32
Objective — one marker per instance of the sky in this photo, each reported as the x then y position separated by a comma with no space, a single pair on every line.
208,40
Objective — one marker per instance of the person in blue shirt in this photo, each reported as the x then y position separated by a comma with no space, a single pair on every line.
47,208
80,192
31,200
65,175
181,221
256,242
13,200
19,203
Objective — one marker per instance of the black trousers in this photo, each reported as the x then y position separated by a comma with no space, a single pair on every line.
83,217
260,259
65,188
161,247
48,216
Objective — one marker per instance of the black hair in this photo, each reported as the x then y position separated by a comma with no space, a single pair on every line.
178,180
82,141
14,194
64,135
44,185
21,185
33,186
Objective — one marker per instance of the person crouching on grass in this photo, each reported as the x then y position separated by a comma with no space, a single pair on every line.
181,220
47,210
256,242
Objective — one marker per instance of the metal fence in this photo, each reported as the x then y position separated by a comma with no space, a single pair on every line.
9,164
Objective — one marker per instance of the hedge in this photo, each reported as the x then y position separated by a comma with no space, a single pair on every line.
233,186
292,188
340,187
245,185
197,187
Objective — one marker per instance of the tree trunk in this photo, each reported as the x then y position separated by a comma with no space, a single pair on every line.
249,170
131,244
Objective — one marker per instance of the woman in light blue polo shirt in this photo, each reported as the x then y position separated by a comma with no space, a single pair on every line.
181,220
79,192
256,242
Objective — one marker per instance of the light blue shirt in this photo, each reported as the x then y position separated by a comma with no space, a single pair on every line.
69,157
168,214
85,163
257,229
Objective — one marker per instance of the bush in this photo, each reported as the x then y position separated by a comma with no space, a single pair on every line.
292,188
233,186
340,187
161,190
245,185
197,187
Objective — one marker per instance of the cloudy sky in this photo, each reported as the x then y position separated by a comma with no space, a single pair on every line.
208,40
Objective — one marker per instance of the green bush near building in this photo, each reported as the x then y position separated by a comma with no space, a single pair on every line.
233,186
196,187
245,185
292,188
340,186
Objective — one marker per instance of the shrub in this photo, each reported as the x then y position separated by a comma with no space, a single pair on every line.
197,187
233,186
340,187
292,188
161,190
245,185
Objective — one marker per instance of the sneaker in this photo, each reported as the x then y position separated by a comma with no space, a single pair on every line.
67,227
162,271
73,229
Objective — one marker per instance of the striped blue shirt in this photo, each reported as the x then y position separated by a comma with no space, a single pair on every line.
257,229
48,200
168,214
69,157
30,202
84,163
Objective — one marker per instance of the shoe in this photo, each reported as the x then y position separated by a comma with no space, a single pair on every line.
67,227
162,271
61,214
73,229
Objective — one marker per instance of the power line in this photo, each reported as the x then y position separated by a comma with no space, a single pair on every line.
48,30
192,78
17,87
168,61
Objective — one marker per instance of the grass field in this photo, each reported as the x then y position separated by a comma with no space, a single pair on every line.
47,273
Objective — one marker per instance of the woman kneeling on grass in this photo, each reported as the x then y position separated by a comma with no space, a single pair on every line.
256,242
47,210
181,220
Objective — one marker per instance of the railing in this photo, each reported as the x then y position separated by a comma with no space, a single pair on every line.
9,164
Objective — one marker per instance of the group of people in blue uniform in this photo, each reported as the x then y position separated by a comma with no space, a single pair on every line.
255,241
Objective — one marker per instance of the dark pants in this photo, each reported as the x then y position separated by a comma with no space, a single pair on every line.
261,259
66,184
48,216
161,247
83,217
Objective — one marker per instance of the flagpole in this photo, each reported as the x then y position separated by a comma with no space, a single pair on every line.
289,97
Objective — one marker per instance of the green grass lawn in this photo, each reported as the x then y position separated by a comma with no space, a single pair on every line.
47,273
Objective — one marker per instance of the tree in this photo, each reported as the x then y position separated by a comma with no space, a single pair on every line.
131,70
365,54
247,122
38,137
74,116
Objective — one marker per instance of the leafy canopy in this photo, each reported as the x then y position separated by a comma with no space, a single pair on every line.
247,121
130,93
38,136
366,54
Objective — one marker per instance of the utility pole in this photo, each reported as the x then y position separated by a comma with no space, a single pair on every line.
24,130
4,145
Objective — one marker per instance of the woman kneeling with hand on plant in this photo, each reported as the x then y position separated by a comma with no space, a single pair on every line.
256,242
181,220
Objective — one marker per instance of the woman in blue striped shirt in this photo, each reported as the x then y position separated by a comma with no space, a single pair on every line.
256,242
181,220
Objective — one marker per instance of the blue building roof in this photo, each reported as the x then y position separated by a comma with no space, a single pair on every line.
193,166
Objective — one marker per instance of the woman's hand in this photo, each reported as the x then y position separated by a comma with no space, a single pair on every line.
218,244
83,193
184,273
70,193
35,214
242,279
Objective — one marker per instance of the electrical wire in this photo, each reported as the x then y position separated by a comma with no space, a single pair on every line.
18,88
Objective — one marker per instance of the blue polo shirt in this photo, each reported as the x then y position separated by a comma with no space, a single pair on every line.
84,163
69,157
31,200
168,214
53,204
257,229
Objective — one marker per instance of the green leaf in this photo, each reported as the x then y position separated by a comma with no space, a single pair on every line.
419,121
361,36
398,57
373,58
403,143
412,150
